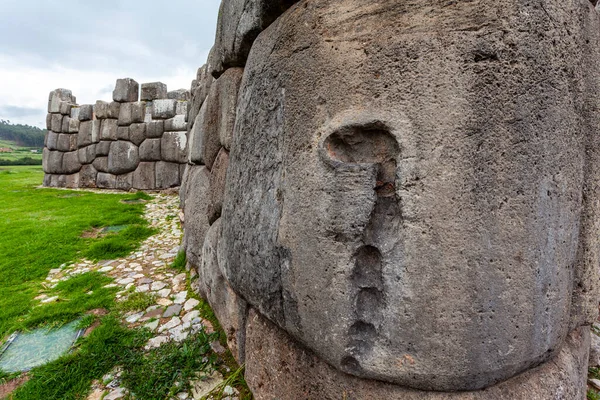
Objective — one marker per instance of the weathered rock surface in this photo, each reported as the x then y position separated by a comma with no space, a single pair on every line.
89,132
173,147
164,109
179,94
87,154
126,90
155,129
137,133
105,181
150,150
87,176
123,157
66,142
144,176
433,208
131,113
70,163
86,112
195,206
218,175
109,129
104,110
153,91
167,174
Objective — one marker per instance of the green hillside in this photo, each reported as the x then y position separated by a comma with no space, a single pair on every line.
20,144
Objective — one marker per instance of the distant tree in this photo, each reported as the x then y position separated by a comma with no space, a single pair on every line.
22,135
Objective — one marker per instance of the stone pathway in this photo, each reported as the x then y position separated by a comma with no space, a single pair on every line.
174,315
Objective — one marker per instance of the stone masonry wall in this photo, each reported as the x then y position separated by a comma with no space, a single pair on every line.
399,200
133,142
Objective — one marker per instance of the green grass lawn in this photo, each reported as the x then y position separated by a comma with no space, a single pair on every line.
41,229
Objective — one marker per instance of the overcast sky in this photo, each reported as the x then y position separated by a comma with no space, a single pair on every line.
85,45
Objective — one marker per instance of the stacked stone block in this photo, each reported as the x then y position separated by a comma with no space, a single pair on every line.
356,207
124,144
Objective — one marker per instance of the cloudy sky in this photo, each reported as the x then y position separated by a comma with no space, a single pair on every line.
86,45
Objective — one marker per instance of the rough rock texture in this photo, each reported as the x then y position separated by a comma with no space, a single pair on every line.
155,129
204,81
87,176
230,309
89,132
179,94
195,205
279,368
123,157
126,90
240,22
104,110
101,164
167,174
413,206
86,112
164,109
87,154
173,147
144,176
103,148
177,123
66,142
109,129
153,91
150,150
218,175
105,181
137,133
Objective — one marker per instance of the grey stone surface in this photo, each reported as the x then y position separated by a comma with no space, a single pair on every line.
594,358
144,177
137,133
218,175
72,125
155,129
173,147
123,133
124,182
86,112
150,150
89,132
167,174
65,124
196,224
48,121
153,91
87,154
238,25
204,143
179,94
56,123
177,123
424,209
58,96
100,163
305,376
66,142
104,110
87,176
181,108
131,113
52,140
103,147
65,108
126,90
70,163
164,109
229,308
123,157
75,110
105,181
109,129
199,93
52,161
68,181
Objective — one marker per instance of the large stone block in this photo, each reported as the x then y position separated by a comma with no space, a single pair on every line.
181,108
103,148
123,133
306,376
104,110
434,209
179,94
144,177
106,181
109,129
177,123
53,162
153,91
167,175
218,175
137,133
164,109
173,147
155,129
87,176
49,121
205,80
52,140
101,164
229,308
123,157
69,181
124,182
86,112
126,90
75,110
87,154
65,124
215,122
57,97
89,132
56,123
65,108
238,25
131,113
66,142
196,194
150,150
70,163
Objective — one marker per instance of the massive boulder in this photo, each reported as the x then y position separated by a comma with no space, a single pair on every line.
410,189
123,157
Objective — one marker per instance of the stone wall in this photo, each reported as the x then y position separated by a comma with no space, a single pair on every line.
133,142
399,200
